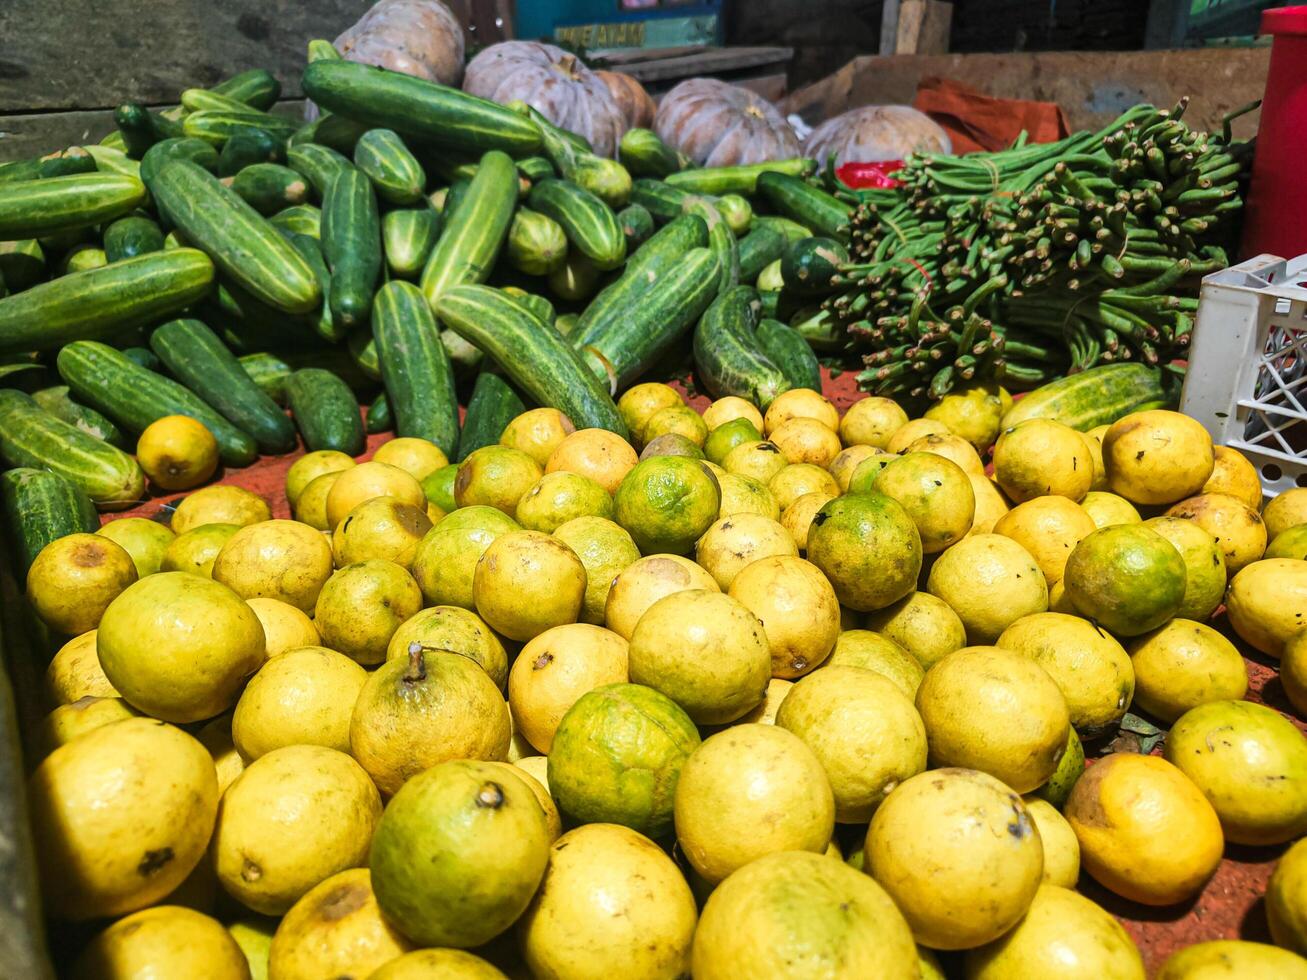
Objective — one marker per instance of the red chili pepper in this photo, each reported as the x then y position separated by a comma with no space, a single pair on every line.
877,175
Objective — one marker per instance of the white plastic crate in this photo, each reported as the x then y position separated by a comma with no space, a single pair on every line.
1247,378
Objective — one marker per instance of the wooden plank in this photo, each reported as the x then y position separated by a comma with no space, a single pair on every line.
1092,87
924,27
770,87
32,134
889,26
709,62
92,54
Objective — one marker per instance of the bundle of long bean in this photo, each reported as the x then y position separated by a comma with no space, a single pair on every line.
1039,260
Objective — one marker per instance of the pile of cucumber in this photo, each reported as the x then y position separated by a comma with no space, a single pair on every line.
412,248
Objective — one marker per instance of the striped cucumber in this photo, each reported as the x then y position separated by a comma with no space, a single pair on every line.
538,360
737,211
637,225
414,366
30,436
379,418
660,199
393,170
590,224
318,165
134,396
628,346
58,401
739,179
809,265
256,87
436,113
324,324
645,155
269,187
758,249
646,265
196,357
216,126
536,168
41,507
492,406
576,161
325,411
144,357
542,309
299,219
22,264
131,236
407,237
475,230
101,302
536,245
720,239
322,50
31,208
1091,398
83,257
242,242
786,348
575,280
792,230
141,129
799,201
727,356
269,372
351,244
247,148
61,163
181,148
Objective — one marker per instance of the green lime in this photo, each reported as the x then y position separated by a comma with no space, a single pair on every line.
672,444
1289,543
1126,577
666,503
617,756
727,436
1068,770
865,473
560,497
868,547
438,485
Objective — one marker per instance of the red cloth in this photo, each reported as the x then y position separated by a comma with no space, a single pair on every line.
976,121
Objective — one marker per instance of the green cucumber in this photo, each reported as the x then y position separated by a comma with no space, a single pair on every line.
61,163
30,436
363,352
453,196
256,87
332,131
247,148
83,257
538,360
739,179
299,219
324,324
537,244
414,366
242,242
590,224
799,201
575,280
269,372
134,397
541,307
269,187
436,113
660,199
41,507
645,155
474,230
202,99
809,265
141,129
379,418
792,230
393,170
646,265
31,208
637,225
407,237
665,310
58,401
131,236
1098,396
720,239
606,179
786,348
492,406
351,244
322,50
144,357
325,411
566,323
111,161
102,302
758,249
22,264
737,211
196,357
216,126
181,148
727,356
770,281
536,168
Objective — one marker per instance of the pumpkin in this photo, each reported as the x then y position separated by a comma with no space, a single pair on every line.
416,37
555,83
876,133
718,125
636,104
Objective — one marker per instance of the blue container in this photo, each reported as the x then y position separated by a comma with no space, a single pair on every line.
596,24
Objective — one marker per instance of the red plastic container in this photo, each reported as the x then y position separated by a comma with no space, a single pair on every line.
1277,203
